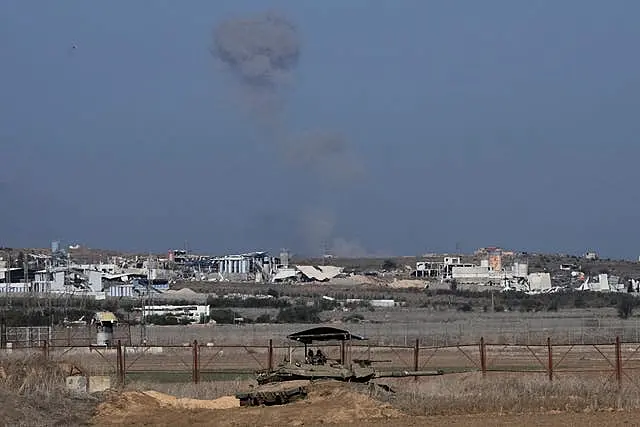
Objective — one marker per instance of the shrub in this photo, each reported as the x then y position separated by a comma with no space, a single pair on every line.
530,304
224,316
466,307
353,318
298,314
264,318
161,319
389,265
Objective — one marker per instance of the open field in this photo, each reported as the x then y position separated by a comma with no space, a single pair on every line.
397,326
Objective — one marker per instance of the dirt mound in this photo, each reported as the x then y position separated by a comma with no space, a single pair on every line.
328,402
407,283
118,407
184,292
339,403
225,402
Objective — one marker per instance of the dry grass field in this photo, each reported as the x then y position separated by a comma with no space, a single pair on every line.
465,400
515,390
33,393
584,389
396,326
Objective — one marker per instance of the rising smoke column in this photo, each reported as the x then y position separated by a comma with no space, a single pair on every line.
262,54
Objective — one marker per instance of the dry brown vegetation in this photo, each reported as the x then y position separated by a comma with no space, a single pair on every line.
465,399
513,394
462,393
33,393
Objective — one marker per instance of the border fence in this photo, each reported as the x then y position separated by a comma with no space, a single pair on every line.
616,362
507,331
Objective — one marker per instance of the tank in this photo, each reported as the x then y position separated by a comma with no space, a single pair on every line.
359,373
317,366
274,394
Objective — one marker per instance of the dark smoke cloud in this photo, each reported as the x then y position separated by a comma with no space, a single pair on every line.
261,51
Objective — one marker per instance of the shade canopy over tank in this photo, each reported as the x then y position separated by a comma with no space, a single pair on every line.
323,333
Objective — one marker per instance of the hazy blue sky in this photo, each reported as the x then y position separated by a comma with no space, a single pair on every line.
511,123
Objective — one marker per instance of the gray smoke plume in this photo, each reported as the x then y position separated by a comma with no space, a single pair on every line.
319,233
262,53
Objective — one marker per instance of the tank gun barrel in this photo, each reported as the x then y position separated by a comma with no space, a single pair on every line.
400,374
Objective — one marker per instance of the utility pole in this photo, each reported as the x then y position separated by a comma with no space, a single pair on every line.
145,299
493,306
25,267
3,324
7,283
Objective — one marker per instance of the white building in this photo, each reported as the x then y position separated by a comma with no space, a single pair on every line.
476,274
258,266
591,255
605,283
539,281
193,312
121,290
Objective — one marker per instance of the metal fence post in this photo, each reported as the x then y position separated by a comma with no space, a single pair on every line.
416,357
483,357
45,349
270,359
550,365
196,368
120,364
3,333
124,364
618,362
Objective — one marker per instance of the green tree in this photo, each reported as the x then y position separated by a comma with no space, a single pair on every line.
298,314
389,265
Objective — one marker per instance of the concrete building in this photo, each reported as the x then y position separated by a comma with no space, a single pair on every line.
539,281
306,273
495,259
591,256
257,266
476,274
192,312
49,281
520,269
124,290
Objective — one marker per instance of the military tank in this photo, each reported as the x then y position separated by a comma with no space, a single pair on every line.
359,374
274,394
317,367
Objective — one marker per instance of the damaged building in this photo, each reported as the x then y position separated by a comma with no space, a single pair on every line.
307,273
